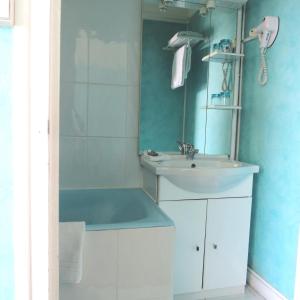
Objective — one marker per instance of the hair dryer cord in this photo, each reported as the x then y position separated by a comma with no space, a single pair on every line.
225,69
263,69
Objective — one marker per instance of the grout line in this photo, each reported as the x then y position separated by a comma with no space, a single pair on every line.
87,109
99,136
126,113
140,75
125,162
129,187
88,87
100,83
117,263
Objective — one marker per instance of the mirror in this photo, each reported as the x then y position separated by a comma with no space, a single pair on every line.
187,113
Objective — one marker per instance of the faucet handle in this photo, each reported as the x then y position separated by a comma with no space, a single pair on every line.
180,146
190,147
191,153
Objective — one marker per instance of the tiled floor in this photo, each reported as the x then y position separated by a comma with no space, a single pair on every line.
250,294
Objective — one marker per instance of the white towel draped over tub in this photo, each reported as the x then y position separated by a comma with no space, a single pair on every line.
181,66
71,239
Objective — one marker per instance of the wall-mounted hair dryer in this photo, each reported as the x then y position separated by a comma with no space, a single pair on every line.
266,33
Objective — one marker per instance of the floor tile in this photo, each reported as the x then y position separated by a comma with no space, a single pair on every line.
250,294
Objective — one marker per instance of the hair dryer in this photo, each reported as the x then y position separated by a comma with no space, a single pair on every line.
266,33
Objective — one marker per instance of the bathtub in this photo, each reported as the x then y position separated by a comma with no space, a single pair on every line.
128,247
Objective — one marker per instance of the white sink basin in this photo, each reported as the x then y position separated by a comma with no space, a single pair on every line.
202,175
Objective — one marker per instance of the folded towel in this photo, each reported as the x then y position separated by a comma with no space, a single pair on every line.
181,66
71,239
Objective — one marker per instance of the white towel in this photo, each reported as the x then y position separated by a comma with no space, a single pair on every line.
71,239
181,66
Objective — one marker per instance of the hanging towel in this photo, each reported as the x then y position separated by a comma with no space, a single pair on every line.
71,239
181,66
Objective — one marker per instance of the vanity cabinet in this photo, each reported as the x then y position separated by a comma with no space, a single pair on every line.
211,243
226,243
189,217
209,201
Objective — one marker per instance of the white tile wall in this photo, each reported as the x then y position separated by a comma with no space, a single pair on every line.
100,253
73,162
131,264
147,253
108,61
132,170
100,69
106,159
73,121
74,52
132,117
107,110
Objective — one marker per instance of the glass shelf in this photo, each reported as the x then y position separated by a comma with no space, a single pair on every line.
221,57
222,107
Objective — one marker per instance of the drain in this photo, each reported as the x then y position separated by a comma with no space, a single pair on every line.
193,165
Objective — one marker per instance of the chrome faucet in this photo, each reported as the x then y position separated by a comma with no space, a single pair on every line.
187,149
184,148
190,155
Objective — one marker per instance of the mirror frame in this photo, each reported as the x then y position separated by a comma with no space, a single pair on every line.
9,20
237,84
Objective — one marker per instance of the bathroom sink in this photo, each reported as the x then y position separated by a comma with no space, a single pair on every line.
199,163
201,175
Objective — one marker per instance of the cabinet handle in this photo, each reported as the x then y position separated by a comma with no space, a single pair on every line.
197,248
215,246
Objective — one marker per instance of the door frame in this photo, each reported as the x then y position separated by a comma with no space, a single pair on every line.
53,128
35,139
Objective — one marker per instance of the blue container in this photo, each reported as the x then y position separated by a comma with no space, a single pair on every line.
225,45
216,47
215,99
225,98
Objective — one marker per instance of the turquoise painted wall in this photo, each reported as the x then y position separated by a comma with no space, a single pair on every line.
161,113
6,249
270,137
210,131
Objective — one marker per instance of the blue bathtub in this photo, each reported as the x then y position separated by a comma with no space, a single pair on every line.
126,233
108,209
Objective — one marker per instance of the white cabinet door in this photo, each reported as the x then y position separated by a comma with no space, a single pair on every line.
189,217
227,239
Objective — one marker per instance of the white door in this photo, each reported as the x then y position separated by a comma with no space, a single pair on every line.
189,217
227,239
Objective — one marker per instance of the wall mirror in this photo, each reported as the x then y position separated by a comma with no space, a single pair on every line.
204,110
